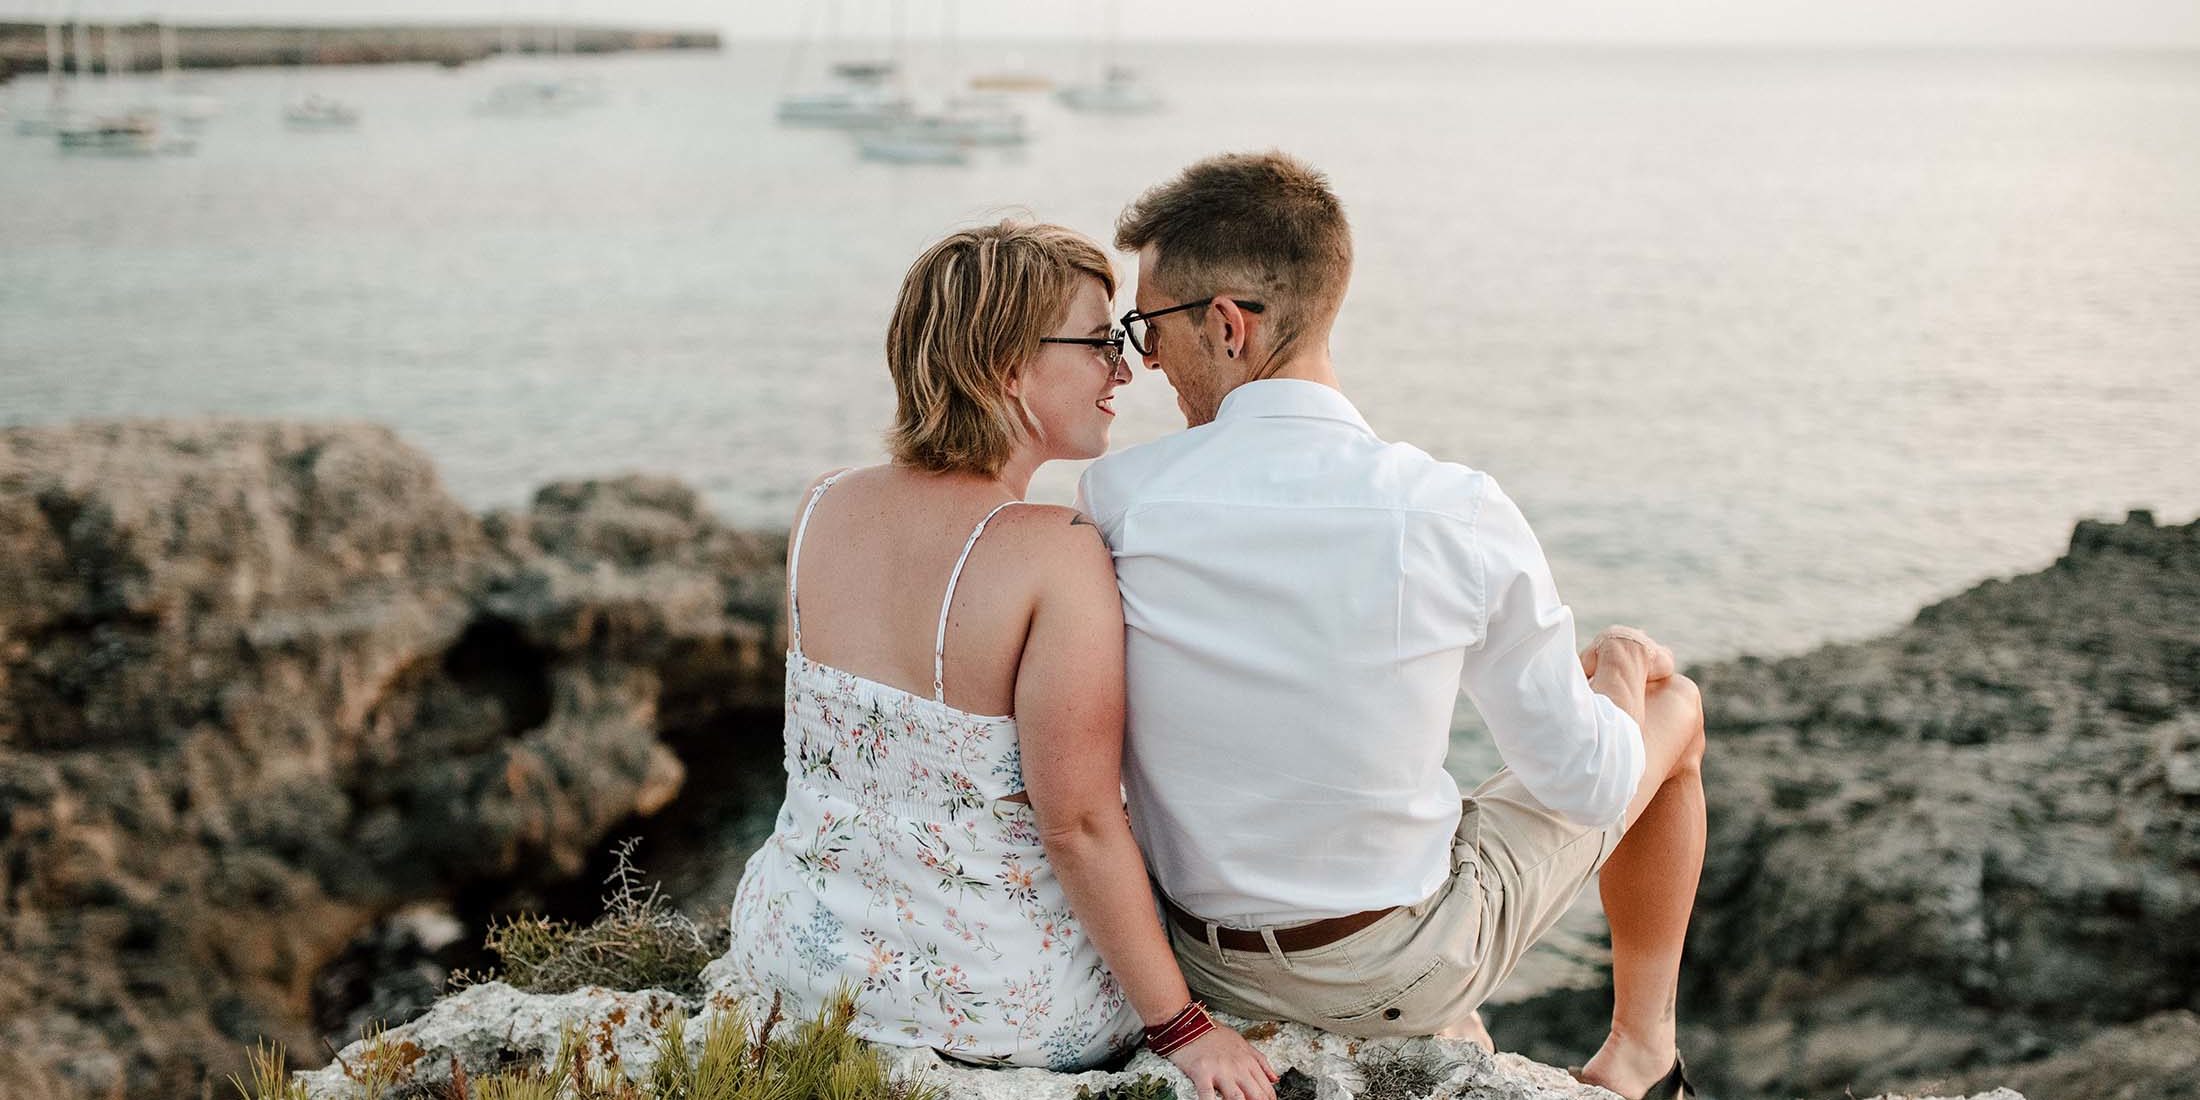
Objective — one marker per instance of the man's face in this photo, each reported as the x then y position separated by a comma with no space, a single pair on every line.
1182,351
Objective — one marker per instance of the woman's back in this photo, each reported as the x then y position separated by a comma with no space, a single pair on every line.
904,863
874,571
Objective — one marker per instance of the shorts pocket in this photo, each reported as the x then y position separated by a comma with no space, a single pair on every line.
1396,1007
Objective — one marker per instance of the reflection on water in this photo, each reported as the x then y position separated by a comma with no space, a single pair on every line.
1772,347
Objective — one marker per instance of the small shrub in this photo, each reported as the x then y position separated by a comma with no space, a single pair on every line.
1145,1087
1400,1076
640,942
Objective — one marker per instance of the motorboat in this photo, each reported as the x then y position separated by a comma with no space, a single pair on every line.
1119,92
319,112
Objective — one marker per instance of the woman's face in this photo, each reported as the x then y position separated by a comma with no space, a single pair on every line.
1069,389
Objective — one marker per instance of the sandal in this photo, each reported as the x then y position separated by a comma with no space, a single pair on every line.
1675,1085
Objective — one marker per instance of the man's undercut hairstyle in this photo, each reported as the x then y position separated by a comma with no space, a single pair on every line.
970,314
1262,225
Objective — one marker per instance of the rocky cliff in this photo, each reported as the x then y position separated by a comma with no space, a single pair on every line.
263,685
265,688
1956,851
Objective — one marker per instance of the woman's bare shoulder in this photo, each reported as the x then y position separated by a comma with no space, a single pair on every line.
1053,543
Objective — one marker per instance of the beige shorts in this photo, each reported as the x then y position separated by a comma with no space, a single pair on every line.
1515,869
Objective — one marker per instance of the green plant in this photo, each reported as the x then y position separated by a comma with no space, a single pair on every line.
383,1065
271,1079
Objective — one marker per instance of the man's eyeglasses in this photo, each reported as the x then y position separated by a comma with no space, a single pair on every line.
1111,345
1139,326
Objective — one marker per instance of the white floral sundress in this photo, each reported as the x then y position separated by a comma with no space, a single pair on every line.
896,869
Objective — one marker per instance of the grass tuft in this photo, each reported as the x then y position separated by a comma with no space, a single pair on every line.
271,1079
640,942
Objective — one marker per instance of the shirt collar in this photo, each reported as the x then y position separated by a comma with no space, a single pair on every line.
1290,397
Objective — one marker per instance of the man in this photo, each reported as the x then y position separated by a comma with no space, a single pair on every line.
1304,603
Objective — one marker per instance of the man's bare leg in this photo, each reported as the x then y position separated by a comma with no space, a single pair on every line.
1649,889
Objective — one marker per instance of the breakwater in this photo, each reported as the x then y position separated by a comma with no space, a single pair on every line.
137,47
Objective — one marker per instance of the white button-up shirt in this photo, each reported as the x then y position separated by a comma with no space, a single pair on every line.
1304,602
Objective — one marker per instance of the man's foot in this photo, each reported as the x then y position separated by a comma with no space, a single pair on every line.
1471,1030
1631,1068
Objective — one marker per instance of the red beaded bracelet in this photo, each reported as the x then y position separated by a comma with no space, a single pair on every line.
1188,1024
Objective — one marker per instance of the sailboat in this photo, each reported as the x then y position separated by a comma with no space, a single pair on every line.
185,101
947,136
1119,90
860,94
313,110
56,114
553,95
122,131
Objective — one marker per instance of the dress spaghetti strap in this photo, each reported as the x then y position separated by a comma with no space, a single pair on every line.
939,641
794,559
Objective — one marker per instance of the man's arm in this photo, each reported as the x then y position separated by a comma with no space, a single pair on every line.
1575,741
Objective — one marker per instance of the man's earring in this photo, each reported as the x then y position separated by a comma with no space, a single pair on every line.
1232,353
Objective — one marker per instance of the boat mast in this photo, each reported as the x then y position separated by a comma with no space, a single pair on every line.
170,63
56,58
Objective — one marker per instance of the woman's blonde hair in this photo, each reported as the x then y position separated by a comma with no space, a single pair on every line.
971,312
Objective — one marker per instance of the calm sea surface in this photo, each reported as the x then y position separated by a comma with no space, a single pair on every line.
1772,347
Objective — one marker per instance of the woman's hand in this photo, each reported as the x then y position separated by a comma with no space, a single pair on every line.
1223,1066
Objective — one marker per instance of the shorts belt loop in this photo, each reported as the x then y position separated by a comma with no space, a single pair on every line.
1268,936
1214,942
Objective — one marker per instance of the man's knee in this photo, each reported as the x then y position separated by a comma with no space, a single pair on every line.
1675,709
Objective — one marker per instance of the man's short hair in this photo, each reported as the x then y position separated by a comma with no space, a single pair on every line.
970,314
1262,224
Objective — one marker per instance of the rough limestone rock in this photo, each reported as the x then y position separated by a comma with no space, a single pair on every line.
263,685
487,1027
1971,843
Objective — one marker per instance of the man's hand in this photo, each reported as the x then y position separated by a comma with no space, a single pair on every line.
1627,644
1223,1066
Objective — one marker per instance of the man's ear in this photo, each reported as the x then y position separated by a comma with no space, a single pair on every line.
1231,321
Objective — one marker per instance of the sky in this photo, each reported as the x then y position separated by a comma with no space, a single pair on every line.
2159,23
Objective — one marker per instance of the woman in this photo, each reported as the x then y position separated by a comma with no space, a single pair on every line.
953,844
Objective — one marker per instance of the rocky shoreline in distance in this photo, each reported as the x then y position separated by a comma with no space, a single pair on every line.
23,44
267,692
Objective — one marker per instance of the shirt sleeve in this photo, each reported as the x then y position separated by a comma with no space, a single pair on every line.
1575,750
1092,500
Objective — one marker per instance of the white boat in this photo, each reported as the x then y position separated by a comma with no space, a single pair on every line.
862,98
914,142
315,111
1119,92
137,134
547,96
185,102
965,125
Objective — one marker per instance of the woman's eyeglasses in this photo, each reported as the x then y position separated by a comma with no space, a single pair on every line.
1139,326
1111,345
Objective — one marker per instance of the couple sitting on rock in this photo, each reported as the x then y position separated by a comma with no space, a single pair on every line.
1254,629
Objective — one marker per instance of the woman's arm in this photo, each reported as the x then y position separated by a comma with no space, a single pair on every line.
1069,717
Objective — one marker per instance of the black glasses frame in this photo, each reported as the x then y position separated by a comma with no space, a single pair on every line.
1112,343
1138,326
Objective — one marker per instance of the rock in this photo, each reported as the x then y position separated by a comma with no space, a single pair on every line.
1972,842
491,1026
262,686
2157,1058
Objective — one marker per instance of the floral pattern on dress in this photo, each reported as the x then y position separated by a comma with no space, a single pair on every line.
895,868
